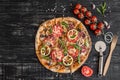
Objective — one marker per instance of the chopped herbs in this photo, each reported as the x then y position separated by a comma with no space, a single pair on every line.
46,57
77,46
102,8
62,43
50,30
78,58
64,24
63,46
60,63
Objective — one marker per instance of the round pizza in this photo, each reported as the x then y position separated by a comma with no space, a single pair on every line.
62,44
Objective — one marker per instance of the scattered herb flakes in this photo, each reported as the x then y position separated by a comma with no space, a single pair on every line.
64,24
78,58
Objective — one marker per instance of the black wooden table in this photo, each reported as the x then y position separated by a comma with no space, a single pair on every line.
19,21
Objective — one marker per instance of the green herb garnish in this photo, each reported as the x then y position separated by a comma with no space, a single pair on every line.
78,58
73,36
46,57
64,24
102,8
63,46
60,63
77,46
50,30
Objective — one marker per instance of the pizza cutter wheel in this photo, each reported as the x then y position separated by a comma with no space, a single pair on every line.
100,47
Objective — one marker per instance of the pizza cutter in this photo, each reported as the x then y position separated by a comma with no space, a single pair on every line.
100,46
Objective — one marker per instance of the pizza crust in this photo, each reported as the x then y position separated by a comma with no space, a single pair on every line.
63,69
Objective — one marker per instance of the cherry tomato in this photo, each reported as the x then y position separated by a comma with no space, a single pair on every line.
80,16
72,51
100,25
87,71
93,26
88,14
78,6
57,55
76,11
83,9
98,32
87,22
94,19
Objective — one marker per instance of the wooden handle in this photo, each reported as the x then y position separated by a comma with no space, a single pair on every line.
107,63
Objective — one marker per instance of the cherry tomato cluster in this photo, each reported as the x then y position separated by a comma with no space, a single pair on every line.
89,19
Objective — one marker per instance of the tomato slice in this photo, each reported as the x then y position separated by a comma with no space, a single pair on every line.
57,55
87,71
72,35
57,31
72,51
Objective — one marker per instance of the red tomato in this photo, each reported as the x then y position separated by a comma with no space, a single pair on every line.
76,11
72,51
78,6
88,14
87,22
100,25
80,16
94,19
83,9
57,55
87,71
57,31
93,26
98,32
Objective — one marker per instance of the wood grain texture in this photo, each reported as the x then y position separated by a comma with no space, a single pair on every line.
19,21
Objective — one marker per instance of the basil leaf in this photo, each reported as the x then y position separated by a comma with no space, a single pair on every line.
73,36
64,24
46,57
60,63
50,30
78,58
63,46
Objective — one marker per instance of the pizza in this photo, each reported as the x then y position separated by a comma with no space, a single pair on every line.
62,44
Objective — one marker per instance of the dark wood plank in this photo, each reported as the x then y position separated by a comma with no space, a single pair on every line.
19,21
